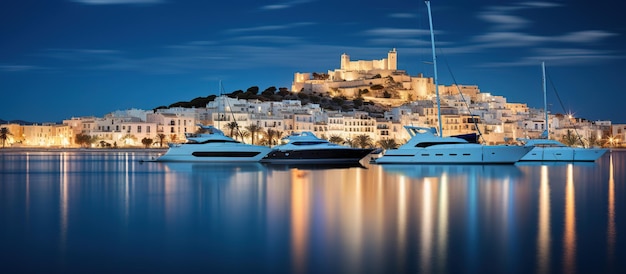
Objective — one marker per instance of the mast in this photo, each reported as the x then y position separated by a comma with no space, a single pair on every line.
546,132
432,40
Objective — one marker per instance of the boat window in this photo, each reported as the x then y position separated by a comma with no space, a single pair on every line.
212,141
427,144
307,143
225,153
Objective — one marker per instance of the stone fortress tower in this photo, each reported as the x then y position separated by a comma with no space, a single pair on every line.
353,77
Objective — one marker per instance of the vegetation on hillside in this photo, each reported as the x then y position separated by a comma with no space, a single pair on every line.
273,94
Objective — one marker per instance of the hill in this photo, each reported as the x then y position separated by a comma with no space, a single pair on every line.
272,94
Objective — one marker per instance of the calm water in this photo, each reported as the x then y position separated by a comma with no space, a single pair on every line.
107,212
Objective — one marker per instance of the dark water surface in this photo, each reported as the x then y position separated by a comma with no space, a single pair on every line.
86,212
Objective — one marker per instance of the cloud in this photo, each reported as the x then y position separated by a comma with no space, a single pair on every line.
559,57
285,5
112,2
402,15
397,32
17,68
502,18
270,27
518,39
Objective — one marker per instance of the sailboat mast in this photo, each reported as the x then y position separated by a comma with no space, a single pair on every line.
432,40
545,100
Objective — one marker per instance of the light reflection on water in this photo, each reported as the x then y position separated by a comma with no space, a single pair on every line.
68,210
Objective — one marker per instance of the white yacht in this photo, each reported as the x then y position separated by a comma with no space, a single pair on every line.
428,147
212,145
306,148
547,150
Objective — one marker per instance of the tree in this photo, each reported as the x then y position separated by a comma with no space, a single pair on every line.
273,135
336,139
4,135
594,141
253,130
253,90
146,142
363,141
569,139
232,126
84,140
350,142
387,143
161,137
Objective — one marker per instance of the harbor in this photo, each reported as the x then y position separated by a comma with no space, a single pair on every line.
110,212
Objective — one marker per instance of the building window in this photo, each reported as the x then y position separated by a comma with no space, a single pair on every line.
148,129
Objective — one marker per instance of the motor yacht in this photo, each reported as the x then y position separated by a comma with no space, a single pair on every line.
212,145
306,148
426,147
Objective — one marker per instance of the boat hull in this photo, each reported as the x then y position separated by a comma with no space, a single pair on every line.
316,156
214,152
455,154
564,154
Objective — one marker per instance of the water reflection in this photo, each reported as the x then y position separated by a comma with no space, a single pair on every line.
543,236
611,233
483,171
569,235
377,219
299,220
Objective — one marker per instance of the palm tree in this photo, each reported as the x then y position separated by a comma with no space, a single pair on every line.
350,142
253,130
594,141
336,139
569,139
232,126
161,137
387,143
270,136
4,135
363,141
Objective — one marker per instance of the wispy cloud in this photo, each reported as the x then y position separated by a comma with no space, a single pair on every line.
402,15
397,32
518,39
559,57
18,68
285,5
113,2
502,18
270,27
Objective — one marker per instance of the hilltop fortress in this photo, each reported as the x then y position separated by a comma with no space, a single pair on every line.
370,79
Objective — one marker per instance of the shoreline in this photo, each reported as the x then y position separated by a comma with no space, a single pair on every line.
80,150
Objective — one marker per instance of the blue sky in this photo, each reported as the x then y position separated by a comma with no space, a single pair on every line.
68,58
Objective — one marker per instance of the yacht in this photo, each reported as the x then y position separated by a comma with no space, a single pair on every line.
547,150
426,146
212,145
306,148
